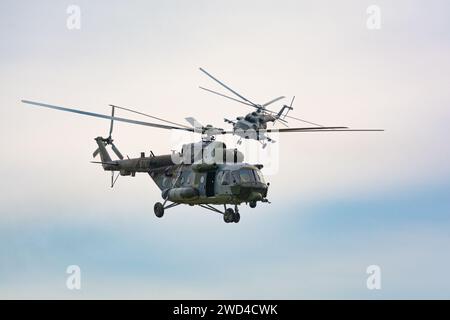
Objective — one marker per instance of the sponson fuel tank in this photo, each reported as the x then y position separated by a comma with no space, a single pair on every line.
180,194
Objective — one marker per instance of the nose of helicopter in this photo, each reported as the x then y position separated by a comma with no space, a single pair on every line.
254,192
255,196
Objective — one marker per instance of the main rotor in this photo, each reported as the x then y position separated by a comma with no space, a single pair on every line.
208,132
260,108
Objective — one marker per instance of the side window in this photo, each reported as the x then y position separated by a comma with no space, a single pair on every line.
235,177
182,179
188,178
219,176
226,178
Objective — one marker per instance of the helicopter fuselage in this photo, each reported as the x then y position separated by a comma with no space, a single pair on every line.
196,183
212,184
252,125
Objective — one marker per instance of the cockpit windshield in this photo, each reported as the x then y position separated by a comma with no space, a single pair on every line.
259,176
246,175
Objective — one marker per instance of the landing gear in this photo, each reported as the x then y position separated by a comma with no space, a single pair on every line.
158,209
231,216
252,204
228,215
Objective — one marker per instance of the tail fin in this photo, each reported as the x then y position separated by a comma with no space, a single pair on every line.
289,107
280,113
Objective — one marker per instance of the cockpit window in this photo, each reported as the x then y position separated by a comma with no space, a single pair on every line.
246,175
235,176
226,178
186,178
259,176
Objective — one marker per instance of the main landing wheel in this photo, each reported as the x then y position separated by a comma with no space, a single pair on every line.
228,216
231,216
252,204
158,209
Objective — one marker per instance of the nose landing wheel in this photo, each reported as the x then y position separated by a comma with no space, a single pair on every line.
158,208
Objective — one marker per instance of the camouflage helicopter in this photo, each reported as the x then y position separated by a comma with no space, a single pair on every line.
254,124
204,173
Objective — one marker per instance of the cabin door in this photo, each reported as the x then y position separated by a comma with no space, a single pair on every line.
210,179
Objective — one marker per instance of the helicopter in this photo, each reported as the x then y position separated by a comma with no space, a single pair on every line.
254,124
204,173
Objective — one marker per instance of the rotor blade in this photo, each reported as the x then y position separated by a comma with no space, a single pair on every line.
225,96
311,129
228,88
301,129
116,151
298,119
98,115
96,152
291,117
147,115
194,123
282,122
292,102
303,120
272,101
322,129
112,122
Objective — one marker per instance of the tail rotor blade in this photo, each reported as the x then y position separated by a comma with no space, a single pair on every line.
272,101
112,122
116,151
96,152
292,102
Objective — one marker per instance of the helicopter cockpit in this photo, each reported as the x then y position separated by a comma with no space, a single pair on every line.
242,175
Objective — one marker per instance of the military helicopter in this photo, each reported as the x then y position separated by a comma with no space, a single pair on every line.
254,124
204,173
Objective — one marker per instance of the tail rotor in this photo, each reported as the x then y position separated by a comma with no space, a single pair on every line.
109,140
